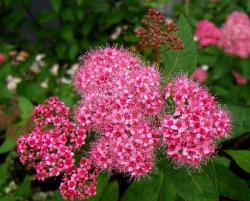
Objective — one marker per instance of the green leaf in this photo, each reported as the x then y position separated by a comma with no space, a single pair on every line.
241,119
25,107
3,173
102,182
111,192
46,16
32,90
230,185
56,4
158,187
7,145
67,33
195,186
8,198
181,60
241,157
57,196
73,51
24,190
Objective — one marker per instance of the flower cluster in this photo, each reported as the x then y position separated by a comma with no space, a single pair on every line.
200,74
49,148
233,36
207,33
239,79
79,182
197,121
158,31
122,106
121,94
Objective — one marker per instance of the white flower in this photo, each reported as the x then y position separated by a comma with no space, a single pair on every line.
54,69
116,33
72,69
12,82
45,84
205,67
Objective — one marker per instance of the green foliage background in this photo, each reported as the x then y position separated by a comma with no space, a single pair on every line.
65,30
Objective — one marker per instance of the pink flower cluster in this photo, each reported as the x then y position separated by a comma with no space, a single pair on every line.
49,148
200,74
122,107
207,33
233,36
197,121
120,96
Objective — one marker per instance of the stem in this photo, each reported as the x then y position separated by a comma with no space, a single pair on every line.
157,56
187,7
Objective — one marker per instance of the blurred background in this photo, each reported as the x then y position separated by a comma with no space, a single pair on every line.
41,43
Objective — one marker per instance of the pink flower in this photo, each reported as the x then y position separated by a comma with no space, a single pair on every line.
46,148
235,35
190,130
118,108
207,33
79,182
200,75
239,79
1,58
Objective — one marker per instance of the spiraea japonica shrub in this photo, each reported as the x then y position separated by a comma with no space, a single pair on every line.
130,110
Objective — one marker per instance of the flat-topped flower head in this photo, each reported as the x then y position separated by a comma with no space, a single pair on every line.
196,122
101,65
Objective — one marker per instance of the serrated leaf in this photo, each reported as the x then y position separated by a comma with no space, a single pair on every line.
241,157
240,119
157,187
7,145
25,107
111,192
184,60
230,185
56,4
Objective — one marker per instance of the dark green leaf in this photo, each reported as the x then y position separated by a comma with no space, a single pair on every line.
32,90
25,107
230,185
56,4
195,186
181,60
158,187
111,192
241,119
102,182
67,33
24,190
7,145
3,173
46,16
241,157
8,198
